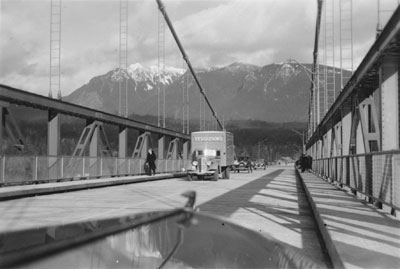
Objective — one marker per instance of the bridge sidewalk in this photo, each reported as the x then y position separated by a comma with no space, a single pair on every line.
356,234
12,192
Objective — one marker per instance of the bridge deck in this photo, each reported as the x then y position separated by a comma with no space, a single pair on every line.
270,201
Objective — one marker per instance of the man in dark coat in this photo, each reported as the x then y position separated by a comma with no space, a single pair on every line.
151,162
303,163
309,162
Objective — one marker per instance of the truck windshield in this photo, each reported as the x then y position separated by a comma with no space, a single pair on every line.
209,152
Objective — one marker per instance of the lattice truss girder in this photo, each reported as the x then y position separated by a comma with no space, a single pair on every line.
88,134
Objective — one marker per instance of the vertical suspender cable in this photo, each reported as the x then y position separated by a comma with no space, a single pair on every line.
183,100
123,59
315,71
204,114
346,40
187,101
59,96
201,106
161,67
330,87
55,48
50,94
126,62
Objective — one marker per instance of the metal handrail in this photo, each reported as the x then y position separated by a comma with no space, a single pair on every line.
375,174
16,169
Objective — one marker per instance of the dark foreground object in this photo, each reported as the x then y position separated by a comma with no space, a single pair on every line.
172,239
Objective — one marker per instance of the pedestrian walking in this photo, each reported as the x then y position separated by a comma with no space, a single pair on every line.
249,165
151,162
303,163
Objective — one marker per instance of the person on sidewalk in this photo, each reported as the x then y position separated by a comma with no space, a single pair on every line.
151,162
303,163
309,162
249,165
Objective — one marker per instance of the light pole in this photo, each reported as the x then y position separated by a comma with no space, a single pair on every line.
314,97
302,139
259,146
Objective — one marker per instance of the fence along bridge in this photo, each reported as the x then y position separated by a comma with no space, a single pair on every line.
355,146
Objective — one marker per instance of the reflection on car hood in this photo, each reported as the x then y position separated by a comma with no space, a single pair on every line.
177,239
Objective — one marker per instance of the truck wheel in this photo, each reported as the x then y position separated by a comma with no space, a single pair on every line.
226,174
215,177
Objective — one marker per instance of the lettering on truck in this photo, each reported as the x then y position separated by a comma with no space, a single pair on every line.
208,138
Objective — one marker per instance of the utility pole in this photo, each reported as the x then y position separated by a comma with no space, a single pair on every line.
259,146
302,139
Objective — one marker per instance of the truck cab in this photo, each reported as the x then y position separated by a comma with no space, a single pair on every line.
211,155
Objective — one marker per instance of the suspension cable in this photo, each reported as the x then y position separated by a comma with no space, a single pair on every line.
161,7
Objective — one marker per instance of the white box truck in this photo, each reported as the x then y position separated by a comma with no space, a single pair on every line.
211,155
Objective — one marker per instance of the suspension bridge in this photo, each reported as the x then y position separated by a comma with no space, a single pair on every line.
342,213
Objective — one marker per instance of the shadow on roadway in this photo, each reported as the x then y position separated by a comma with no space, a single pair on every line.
285,208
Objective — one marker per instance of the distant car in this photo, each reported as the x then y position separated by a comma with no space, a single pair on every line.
240,164
259,164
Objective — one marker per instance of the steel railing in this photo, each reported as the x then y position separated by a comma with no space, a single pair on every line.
376,175
31,169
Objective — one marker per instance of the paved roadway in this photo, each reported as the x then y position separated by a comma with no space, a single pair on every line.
269,201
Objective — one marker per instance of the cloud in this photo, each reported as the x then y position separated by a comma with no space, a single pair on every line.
241,28
213,33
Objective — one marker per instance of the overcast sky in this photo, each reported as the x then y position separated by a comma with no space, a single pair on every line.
213,33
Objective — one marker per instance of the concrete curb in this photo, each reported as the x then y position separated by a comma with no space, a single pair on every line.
330,246
14,192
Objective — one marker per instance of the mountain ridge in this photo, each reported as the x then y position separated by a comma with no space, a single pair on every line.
277,92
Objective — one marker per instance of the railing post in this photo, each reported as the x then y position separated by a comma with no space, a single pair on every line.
62,167
347,164
129,165
3,172
101,166
336,169
35,173
368,176
116,167
83,167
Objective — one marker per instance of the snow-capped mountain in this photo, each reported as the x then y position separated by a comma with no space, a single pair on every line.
165,76
276,92
102,92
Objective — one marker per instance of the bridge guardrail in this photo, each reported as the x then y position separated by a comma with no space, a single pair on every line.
376,175
31,169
